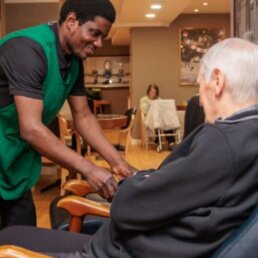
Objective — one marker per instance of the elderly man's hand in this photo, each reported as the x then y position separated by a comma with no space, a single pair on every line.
123,169
102,182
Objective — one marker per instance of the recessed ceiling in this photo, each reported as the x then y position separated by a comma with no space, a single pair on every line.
213,6
131,13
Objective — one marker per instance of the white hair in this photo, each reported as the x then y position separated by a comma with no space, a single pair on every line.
237,59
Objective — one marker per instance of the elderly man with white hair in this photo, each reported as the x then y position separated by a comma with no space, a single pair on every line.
201,192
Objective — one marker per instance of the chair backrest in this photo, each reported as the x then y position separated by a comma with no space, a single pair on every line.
125,132
130,113
243,242
194,115
64,132
59,127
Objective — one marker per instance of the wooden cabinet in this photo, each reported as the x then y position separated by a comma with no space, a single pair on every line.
117,94
110,75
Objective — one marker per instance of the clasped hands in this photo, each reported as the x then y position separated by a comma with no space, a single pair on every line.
105,181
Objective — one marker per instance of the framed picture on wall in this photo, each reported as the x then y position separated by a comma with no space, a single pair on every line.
194,43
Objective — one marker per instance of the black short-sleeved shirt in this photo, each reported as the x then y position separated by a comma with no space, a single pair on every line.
23,67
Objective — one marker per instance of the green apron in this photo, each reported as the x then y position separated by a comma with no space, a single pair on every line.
20,164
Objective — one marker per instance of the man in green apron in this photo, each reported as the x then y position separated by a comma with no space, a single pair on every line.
41,67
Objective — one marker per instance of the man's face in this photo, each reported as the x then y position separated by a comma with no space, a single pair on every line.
207,99
89,36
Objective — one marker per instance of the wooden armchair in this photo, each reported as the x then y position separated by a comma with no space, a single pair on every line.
64,132
69,213
241,243
11,251
77,206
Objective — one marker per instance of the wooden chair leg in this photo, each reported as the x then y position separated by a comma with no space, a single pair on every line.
178,136
76,224
63,174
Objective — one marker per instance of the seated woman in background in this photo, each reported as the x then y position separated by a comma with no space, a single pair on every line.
152,94
145,102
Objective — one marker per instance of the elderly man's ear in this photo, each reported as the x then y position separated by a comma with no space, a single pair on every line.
218,82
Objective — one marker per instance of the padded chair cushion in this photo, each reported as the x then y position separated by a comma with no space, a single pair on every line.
242,243
59,219
194,115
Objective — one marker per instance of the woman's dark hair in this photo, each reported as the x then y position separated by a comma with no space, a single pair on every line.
87,10
154,87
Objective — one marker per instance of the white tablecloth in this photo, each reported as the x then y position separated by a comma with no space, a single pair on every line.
162,114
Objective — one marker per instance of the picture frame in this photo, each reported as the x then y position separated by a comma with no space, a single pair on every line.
194,43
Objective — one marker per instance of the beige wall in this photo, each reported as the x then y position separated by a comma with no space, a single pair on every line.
155,58
20,16
109,50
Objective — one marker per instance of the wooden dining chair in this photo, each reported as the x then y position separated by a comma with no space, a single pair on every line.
125,133
98,105
65,134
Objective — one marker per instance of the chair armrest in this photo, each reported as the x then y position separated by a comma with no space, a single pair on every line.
79,206
11,251
81,187
78,187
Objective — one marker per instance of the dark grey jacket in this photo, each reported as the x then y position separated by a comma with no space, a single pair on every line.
190,205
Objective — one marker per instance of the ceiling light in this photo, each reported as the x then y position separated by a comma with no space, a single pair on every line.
156,6
205,3
150,15
196,10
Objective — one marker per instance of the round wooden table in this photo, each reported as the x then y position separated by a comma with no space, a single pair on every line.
111,121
